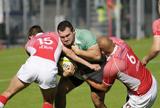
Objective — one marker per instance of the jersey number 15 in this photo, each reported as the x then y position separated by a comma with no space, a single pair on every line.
46,41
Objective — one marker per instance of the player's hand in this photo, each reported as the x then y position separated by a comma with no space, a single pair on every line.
65,49
144,61
85,77
95,67
69,71
75,49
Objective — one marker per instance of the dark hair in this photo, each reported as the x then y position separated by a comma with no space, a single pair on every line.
34,30
62,26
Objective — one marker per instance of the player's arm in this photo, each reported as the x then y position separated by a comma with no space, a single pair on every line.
109,75
99,86
78,59
28,47
30,50
92,53
27,52
108,80
155,49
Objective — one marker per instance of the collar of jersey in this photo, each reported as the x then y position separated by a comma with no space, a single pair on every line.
113,52
38,34
77,42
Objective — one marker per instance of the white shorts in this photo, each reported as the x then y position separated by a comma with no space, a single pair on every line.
39,70
145,101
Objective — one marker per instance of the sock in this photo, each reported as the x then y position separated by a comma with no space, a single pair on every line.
47,105
3,101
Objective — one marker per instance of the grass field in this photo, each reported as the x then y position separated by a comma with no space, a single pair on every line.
11,60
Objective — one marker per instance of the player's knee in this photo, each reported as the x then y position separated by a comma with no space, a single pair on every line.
98,101
98,104
49,100
95,97
63,90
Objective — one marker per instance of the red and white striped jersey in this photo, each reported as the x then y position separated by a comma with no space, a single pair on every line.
124,65
45,45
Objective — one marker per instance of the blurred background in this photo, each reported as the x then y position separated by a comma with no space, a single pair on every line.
126,19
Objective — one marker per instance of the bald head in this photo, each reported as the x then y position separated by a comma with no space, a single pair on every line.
105,44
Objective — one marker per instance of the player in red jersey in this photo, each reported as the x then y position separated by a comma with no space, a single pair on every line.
41,67
155,48
123,64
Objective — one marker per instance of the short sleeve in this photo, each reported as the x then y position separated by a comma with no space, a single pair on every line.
111,70
156,27
88,38
29,47
109,75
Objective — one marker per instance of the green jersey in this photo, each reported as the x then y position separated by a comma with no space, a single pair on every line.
84,39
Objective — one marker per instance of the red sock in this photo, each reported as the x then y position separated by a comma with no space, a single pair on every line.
3,99
47,105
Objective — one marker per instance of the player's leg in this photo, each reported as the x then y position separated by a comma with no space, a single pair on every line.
48,97
98,98
47,81
143,101
66,84
15,86
97,95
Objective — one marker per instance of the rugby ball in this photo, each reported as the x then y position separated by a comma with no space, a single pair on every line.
67,64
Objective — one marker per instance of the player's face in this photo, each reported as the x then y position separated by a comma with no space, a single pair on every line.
67,37
103,49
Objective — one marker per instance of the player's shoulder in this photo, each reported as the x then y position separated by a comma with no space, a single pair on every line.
155,22
117,41
118,63
119,54
83,32
85,35
156,27
51,34
116,58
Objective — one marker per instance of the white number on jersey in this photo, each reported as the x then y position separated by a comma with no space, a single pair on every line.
131,59
46,41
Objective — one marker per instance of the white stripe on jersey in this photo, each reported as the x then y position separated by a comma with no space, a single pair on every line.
58,50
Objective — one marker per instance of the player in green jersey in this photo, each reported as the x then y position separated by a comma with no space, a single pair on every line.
83,43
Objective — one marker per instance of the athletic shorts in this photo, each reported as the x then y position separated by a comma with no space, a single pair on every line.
77,82
39,70
144,101
85,72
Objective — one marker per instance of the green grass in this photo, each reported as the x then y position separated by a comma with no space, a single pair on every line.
12,59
